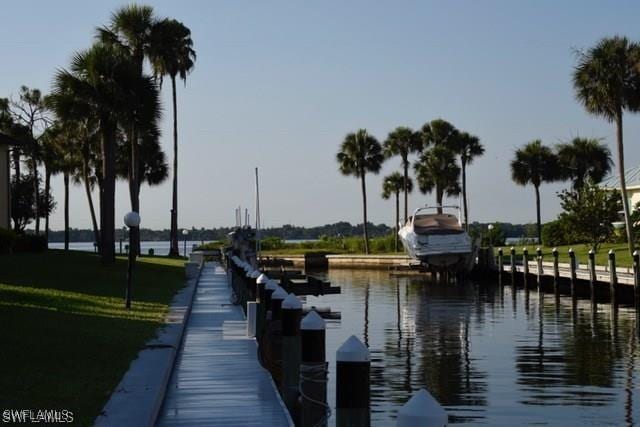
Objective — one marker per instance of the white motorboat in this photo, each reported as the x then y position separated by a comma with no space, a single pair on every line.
434,236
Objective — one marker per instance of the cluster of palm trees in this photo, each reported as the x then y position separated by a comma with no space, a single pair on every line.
606,81
580,161
438,146
104,112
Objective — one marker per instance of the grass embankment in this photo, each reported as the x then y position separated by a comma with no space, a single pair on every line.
66,339
334,245
623,258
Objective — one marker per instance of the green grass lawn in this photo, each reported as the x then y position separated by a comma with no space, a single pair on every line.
581,250
65,338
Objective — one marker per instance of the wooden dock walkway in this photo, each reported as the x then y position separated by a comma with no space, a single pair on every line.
217,379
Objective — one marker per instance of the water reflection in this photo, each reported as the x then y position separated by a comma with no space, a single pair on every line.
541,359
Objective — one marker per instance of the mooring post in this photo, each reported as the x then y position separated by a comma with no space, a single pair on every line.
592,275
291,314
352,384
572,267
252,315
556,271
422,410
261,282
500,265
613,277
513,265
525,265
275,334
313,371
539,263
636,279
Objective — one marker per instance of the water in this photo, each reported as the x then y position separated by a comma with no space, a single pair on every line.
159,248
490,355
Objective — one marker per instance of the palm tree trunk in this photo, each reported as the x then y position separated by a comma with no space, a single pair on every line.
623,184
107,206
134,188
439,197
36,193
47,188
364,211
405,164
395,229
464,195
174,204
66,211
539,224
87,189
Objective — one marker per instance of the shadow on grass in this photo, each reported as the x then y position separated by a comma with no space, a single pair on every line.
66,337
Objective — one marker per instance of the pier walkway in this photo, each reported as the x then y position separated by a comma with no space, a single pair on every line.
217,379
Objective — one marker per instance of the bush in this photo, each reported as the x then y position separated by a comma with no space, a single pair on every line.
555,233
210,246
271,243
7,241
30,243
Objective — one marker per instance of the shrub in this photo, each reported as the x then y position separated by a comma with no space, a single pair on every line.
210,246
30,243
271,243
555,233
7,241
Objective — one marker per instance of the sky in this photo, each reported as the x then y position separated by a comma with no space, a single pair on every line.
277,85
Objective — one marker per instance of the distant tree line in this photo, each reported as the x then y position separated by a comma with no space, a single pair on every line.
286,232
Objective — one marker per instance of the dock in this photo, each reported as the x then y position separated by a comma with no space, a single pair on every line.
217,379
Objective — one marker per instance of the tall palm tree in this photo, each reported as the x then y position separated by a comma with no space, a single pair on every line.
393,185
130,31
403,141
439,132
534,164
49,156
172,54
468,147
584,159
97,84
360,153
436,169
607,82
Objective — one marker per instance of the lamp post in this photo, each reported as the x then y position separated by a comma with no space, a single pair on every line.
185,232
490,228
131,220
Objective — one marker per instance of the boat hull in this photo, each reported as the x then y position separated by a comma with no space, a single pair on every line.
446,251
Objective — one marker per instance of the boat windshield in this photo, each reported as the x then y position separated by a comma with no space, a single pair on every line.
436,224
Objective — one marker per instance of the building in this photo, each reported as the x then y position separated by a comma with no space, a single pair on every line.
632,179
5,193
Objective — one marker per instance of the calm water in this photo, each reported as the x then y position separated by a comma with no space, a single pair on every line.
490,357
159,248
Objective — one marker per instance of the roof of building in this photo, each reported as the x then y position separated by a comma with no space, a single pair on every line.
6,139
631,179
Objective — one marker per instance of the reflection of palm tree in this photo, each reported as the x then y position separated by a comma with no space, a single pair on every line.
366,314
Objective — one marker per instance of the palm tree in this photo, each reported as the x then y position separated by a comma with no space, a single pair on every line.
392,185
130,31
439,132
97,85
436,169
584,159
173,55
360,153
468,147
49,156
607,82
534,164
403,141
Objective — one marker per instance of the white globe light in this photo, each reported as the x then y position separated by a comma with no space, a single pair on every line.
132,219
185,232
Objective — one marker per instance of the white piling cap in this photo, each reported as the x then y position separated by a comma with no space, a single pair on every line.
353,350
262,279
422,410
279,293
255,274
313,322
271,285
292,302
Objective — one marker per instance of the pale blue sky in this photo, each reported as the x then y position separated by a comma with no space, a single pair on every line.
278,84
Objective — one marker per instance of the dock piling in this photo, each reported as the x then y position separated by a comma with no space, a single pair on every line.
313,371
613,277
422,410
592,275
513,265
352,384
539,265
291,314
636,279
572,266
556,271
500,265
525,266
